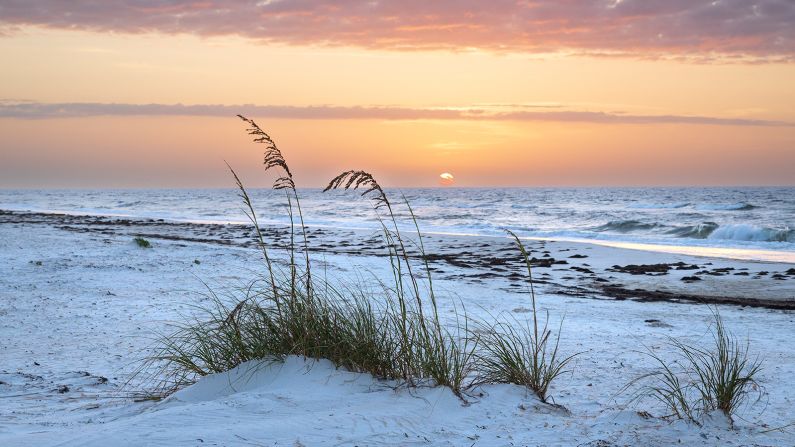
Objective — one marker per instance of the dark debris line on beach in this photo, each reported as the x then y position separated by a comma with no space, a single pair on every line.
495,260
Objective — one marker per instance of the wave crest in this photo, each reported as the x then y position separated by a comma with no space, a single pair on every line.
739,206
626,226
700,231
743,232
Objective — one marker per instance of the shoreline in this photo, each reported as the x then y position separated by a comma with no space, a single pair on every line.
572,268
696,247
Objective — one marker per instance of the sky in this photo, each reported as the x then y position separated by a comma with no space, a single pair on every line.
144,93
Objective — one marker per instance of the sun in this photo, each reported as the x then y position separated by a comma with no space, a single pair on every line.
446,179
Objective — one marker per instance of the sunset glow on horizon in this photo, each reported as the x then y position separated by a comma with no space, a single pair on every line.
538,93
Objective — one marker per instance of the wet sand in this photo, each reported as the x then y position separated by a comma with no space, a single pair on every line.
562,267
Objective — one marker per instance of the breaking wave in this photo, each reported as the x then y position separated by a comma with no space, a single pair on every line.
626,226
743,232
704,230
700,231
740,206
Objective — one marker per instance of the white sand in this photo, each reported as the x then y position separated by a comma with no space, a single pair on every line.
89,311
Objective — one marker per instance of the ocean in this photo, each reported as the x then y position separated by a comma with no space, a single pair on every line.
754,219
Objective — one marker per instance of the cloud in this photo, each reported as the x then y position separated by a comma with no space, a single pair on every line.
748,30
35,110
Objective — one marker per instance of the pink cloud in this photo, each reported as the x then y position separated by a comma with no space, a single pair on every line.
694,29
521,113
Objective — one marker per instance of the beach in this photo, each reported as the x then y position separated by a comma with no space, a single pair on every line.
384,223
82,305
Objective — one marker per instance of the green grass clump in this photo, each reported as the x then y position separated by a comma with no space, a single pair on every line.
704,379
523,354
141,242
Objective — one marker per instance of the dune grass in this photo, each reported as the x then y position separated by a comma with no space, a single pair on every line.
284,314
427,349
703,379
392,330
520,353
